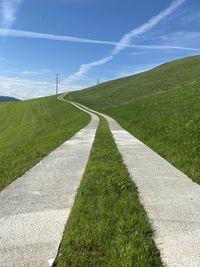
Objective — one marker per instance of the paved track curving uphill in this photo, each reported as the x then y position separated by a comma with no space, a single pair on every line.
34,208
170,198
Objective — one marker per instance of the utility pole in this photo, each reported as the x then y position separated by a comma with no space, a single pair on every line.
57,81
98,81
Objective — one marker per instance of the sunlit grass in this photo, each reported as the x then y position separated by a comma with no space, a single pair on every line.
107,226
170,124
160,107
29,130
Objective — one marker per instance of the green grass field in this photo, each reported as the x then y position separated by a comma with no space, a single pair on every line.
126,90
107,225
29,130
160,107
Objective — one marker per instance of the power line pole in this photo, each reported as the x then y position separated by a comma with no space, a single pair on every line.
98,81
57,81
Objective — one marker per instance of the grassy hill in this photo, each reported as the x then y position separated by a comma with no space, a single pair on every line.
8,99
160,107
29,130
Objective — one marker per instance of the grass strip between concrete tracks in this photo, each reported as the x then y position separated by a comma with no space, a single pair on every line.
160,107
107,226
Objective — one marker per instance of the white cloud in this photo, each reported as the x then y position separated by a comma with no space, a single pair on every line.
85,68
180,36
44,72
126,40
31,89
131,70
28,34
32,72
8,11
168,47
4,32
26,88
136,53
191,17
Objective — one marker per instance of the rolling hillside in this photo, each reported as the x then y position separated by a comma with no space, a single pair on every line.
29,130
160,107
8,99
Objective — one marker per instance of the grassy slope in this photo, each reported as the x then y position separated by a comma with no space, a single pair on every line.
126,90
160,107
8,99
107,225
29,130
170,124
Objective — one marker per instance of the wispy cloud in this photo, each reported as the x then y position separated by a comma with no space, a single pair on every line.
126,40
188,38
130,70
5,60
24,88
30,72
8,11
139,53
166,47
180,36
85,68
36,35
190,16
45,73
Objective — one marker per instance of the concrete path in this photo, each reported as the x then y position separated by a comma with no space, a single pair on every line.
34,209
170,198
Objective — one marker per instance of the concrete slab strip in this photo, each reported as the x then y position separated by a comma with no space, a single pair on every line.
34,208
170,198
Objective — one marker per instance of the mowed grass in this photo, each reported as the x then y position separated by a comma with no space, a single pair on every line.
170,124
108,225
160,107
29,130
126,90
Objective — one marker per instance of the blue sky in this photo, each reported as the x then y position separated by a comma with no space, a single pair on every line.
84,40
